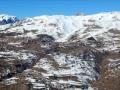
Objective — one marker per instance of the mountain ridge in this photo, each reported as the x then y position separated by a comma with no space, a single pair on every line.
61,52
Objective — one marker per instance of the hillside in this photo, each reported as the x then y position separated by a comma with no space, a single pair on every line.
60,52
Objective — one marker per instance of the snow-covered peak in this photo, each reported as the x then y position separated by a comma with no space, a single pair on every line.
62,28
6,19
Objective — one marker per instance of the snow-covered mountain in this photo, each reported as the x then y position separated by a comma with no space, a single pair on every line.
103,26
60,52
6,19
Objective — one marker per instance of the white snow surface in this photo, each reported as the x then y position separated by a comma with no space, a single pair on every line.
62,27
6,17
101,26
7,20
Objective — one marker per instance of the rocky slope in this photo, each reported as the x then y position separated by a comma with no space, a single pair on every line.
60,52
5,19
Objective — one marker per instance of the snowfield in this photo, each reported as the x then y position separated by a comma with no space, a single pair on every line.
102,26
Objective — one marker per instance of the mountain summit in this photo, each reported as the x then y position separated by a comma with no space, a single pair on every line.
6,19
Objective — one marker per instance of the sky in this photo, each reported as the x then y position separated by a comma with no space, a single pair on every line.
30,8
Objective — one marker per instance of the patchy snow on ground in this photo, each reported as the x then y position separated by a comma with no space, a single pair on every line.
68,65
103,27
10,81
21,55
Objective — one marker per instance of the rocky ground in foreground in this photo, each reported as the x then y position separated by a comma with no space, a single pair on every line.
60,52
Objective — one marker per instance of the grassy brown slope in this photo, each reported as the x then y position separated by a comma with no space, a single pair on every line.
110,77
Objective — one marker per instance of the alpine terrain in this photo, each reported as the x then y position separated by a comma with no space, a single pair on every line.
59,52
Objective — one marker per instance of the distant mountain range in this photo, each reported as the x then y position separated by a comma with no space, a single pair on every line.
6,19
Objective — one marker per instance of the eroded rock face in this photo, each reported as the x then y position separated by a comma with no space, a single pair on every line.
15,62
70,64
45,38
